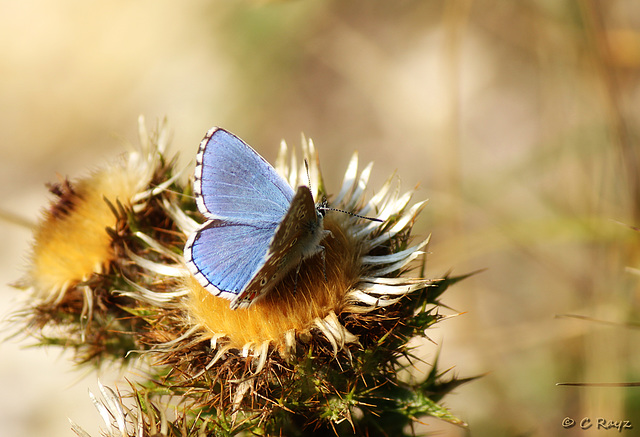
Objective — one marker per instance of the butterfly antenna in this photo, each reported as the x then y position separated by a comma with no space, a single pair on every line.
306,166
326,208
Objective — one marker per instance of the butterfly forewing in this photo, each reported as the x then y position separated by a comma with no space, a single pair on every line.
233,182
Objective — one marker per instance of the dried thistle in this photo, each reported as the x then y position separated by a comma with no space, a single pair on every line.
322,351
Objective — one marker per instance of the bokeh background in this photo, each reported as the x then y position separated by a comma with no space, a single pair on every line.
518,119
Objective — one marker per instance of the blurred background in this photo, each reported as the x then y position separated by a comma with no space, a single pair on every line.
518,120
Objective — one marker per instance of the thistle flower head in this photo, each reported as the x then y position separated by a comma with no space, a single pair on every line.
71,243
77,257
357,274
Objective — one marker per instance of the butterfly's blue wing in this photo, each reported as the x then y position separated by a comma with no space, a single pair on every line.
225,256
234,183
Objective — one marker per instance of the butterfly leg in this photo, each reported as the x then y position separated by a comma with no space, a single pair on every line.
324,262
327,233
295,279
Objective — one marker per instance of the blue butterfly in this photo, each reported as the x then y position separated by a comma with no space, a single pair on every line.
258,228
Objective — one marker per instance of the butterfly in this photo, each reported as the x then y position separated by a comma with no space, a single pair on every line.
258,228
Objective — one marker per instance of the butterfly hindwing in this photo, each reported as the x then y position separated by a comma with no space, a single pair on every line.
233,182
225,256
300,216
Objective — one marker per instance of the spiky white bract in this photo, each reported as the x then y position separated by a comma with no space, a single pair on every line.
120,421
